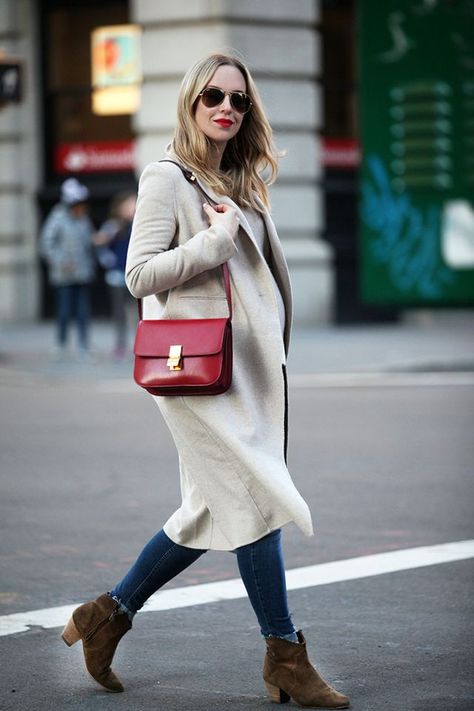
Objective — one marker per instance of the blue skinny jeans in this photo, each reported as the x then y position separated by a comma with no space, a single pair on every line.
72,300
261,569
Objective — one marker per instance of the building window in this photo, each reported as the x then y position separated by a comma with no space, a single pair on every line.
68,116
338,30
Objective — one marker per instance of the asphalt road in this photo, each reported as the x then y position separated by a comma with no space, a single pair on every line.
89,474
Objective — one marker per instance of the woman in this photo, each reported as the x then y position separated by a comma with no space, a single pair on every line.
237,491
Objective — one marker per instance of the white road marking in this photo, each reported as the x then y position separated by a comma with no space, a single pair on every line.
380,380
309,576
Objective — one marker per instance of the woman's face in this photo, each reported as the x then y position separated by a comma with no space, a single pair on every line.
221,123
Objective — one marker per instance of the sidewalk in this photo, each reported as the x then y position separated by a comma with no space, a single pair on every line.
422,342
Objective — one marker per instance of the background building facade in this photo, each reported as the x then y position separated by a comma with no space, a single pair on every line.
20,167
280,40
304,56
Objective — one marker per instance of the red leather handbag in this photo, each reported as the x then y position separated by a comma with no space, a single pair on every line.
185,356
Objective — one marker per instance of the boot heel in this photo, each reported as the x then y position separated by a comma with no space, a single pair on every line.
70,633
277,695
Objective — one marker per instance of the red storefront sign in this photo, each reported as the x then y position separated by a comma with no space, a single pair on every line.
94,157
340,153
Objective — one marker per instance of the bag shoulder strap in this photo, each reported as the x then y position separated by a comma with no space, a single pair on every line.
191,178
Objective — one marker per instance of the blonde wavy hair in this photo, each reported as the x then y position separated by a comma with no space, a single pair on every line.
246,156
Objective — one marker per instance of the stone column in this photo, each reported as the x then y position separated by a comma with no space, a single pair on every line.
279,41
19,175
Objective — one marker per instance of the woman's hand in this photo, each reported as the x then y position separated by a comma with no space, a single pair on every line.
223,215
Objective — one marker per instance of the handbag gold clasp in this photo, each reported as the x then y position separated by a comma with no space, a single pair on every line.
175,361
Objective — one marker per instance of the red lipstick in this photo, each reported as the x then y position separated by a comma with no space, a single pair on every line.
224,122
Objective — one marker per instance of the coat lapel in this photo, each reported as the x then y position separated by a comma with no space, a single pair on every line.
228,201
280,269
213,195
277,264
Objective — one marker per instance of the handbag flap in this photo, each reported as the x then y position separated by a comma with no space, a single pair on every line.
198,337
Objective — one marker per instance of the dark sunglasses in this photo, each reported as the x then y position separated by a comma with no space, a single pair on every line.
212,96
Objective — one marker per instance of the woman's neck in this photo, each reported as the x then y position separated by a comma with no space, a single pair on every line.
215,155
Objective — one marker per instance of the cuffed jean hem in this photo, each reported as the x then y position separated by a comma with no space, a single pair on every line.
293,637
122,607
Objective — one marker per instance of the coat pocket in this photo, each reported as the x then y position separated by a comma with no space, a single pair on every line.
203,296
198,306
206,284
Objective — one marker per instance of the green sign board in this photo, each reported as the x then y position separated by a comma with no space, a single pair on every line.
416,63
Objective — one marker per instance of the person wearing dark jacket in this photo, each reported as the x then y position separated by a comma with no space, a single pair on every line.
112,246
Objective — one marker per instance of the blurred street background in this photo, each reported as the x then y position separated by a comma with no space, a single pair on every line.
374,103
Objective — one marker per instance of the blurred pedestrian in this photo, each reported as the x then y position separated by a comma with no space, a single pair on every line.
237,491
112,241
66,245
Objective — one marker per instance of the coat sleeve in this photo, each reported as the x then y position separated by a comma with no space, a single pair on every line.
50,244
153,267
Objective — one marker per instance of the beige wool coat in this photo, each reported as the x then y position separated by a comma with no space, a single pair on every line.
235,484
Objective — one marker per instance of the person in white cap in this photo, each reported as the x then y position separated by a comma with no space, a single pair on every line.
66,245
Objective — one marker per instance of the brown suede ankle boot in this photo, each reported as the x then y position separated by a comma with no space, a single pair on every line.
288,673
101,625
